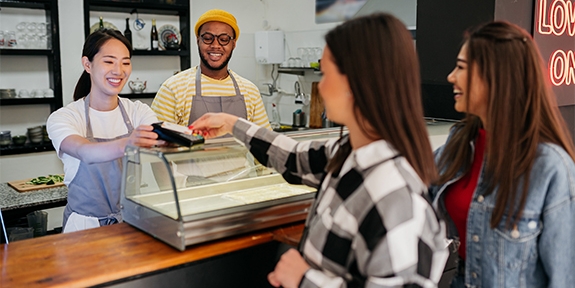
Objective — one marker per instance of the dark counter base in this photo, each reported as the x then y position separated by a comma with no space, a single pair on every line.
243,268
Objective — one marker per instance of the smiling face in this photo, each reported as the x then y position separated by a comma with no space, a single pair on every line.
335,91
110,68
472,99
214,56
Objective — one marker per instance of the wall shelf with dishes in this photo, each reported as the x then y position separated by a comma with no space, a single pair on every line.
173,19
32,33
300,71
26,148
31,64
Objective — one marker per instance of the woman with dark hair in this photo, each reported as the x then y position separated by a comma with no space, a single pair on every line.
371,224
507,176
90,134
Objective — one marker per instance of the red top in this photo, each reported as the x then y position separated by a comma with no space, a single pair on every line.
458,195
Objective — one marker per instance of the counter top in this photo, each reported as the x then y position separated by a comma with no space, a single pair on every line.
11,199
98,256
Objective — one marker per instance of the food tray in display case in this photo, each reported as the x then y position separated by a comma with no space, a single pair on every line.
185,196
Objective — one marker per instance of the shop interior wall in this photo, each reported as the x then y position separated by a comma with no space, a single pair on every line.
295,17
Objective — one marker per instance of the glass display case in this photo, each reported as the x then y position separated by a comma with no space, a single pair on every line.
185,196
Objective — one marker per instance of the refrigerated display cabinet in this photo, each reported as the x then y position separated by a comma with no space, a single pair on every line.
185,196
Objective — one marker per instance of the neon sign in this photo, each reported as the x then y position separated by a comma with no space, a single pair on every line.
557,19
560,18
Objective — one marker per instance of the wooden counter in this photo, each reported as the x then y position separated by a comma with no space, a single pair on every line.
110,253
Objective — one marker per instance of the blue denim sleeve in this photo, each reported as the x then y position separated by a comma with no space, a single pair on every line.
556,249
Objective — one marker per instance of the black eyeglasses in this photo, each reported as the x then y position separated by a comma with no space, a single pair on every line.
223,39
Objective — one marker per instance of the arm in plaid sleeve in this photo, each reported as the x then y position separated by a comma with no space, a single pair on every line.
373,227
298,162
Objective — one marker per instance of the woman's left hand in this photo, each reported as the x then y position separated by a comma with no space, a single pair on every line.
289,270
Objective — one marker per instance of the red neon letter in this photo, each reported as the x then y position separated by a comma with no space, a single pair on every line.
571,15
562,68
558,14
543,17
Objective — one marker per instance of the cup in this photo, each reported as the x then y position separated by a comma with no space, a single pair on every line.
291,62
19,233
48,93
23,93
298,62
21,26
42,42
41,28
38,93
31,26
33,40
5,138
298,118
39,221
12,42
23,40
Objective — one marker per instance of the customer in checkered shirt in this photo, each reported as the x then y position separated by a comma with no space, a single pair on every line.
371,224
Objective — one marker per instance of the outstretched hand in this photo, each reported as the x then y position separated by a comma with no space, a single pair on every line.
212,125
143,136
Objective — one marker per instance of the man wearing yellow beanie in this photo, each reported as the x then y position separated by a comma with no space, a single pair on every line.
211,86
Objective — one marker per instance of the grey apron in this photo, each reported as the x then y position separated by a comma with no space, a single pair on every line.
235,105
95,190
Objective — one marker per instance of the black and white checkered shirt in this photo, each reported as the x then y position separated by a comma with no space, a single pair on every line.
371,225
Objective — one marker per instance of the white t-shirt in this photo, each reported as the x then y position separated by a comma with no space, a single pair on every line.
71,120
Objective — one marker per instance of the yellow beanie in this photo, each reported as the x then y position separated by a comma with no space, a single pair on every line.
219,16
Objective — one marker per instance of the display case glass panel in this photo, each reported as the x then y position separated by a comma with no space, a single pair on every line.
185,196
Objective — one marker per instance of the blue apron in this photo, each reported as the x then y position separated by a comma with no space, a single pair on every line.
95,190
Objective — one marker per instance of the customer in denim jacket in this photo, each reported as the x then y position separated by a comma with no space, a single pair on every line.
507,176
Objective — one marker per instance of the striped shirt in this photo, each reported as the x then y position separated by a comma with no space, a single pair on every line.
173,102
371,224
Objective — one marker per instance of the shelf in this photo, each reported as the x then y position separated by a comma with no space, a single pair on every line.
53,72
26,52
179,8
26,101
142,8
301,71
37,4
139,95
161,52
28,148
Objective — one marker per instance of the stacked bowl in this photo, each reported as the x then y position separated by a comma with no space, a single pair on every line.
7,93
5,138
35,134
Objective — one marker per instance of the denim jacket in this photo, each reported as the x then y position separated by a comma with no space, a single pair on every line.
540,251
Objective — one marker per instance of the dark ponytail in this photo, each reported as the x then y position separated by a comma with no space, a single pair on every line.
83,86
92,46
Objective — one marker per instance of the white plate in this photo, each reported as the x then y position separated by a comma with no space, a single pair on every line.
165,32
107,24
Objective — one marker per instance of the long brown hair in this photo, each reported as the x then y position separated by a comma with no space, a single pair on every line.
377,54
92,46
522,113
